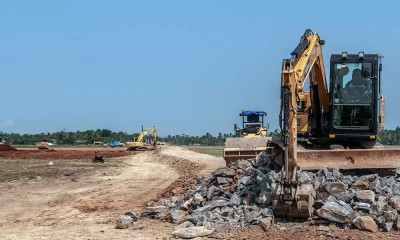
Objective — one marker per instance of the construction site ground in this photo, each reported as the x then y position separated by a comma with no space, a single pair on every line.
61,194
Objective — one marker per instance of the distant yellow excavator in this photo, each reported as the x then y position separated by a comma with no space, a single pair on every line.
139,144
44,145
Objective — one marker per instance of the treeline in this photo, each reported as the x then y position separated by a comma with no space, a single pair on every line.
67,138
106,136
388,137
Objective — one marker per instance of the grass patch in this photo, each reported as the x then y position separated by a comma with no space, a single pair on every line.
217,151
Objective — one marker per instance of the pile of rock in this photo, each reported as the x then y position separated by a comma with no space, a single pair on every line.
241,195
369,202
237,196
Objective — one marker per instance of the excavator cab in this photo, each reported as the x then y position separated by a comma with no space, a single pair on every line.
356,100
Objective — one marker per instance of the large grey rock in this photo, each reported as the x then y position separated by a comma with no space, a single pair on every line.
388,226
132,215
391,216
304,177
157,212
264,198
335,212
243,164
335,187
396,189
387,191
380,221
379,206
177,216
266,212
219,203
347,179
365,223
266,222
124,221
192,232
223,172
376,186
235,200
197,200
370,177
244,181
185,224
272,177
213,191
261,159
395,202
361,184
366,196
227,212
362,206
224,180
252,217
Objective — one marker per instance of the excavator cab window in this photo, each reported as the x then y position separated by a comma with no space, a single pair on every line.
352,96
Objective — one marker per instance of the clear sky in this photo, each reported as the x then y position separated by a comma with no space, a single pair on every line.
184,66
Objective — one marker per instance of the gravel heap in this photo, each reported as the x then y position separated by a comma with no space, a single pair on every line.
241,195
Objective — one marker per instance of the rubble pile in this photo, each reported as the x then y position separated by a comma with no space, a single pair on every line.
368,202
241,195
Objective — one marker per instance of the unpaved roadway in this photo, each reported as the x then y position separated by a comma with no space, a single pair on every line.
86,206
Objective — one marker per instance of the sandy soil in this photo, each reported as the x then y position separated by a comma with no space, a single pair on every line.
85,205
209,163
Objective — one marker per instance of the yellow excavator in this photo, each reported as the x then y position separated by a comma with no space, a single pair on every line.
139,143
44,145
252,138
323,127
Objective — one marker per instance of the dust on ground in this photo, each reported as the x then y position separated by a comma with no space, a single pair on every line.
86,203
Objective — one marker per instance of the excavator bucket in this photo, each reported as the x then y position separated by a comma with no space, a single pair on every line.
294,202
244,148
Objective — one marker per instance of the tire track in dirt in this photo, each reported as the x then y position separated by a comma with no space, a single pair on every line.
85,208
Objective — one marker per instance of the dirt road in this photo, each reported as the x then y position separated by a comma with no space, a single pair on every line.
86,204
85,207
209,163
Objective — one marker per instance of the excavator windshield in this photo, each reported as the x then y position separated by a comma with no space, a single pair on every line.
352,97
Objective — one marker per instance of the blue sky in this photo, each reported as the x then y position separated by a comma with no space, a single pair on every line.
184,66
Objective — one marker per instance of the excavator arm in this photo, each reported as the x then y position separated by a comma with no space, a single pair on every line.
300,111
296,103
145,132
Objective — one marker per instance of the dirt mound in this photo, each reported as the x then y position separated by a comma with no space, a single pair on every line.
5,147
